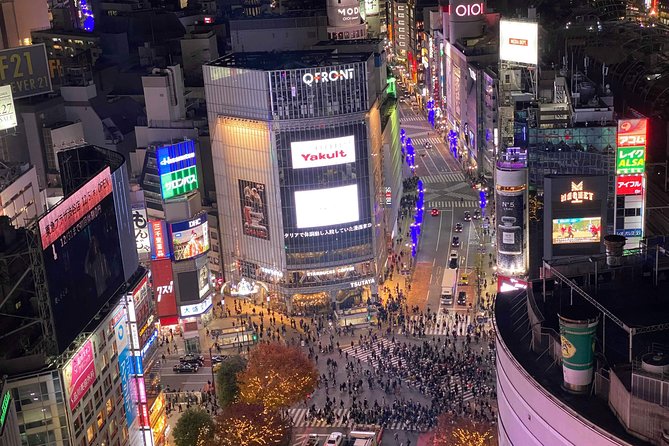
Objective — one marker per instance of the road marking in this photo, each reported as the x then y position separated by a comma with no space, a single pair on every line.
438,233
434,261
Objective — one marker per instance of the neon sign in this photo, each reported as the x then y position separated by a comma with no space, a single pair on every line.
473,9
576,195
327,76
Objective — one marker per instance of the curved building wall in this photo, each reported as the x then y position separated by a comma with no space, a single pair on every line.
511,220
530,415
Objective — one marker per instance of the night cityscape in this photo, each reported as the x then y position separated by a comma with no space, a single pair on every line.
334,222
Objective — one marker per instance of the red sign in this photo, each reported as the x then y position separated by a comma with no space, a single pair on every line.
506,284
160,247
629,184
519,42
632,132
163,288
72,209
79,374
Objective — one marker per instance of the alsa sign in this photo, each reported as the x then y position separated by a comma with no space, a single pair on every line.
323,152
629,185
327,76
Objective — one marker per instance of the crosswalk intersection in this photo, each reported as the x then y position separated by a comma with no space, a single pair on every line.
448,204
450,177
300,417
420,142
412,118
365,354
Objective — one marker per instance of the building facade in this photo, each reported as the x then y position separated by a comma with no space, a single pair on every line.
299,176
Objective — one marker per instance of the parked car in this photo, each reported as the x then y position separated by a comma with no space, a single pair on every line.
462,298
458,227
335,439
192,358
468,216
453,260
184,367
434,212
455,242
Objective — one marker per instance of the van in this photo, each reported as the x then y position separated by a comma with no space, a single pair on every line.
446,297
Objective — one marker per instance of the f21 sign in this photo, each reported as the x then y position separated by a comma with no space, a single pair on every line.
629,185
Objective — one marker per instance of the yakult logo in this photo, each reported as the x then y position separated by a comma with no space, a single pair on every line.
327,76
323,152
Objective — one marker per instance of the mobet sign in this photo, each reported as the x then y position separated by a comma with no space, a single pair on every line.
577,194
327,76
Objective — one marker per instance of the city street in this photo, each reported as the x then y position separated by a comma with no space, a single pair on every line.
427,359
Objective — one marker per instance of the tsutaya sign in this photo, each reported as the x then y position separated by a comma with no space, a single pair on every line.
327,76
577,194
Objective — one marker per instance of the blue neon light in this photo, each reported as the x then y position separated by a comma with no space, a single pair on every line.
88,19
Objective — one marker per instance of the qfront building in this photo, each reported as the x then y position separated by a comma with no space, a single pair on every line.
300,175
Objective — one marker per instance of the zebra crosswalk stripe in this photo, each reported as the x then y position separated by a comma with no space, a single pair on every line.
412,118
451,177
418,142
451,204
300,419
364,353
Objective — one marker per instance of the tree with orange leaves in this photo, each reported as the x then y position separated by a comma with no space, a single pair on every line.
277,376
243,424
457,431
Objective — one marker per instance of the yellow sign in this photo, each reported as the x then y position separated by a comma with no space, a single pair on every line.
577,195
568,349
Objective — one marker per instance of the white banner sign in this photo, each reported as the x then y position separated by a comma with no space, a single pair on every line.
323,152
7,112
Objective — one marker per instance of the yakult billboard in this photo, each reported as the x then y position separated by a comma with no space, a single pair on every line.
518,42
323,152
79,374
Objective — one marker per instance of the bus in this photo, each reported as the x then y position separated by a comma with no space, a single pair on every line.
448,283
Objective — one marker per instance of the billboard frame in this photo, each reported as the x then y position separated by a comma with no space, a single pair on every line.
27,78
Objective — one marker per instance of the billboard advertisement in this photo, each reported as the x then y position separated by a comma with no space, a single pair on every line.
203,280
323,152
177,169
189,238
26,70
253,203
327,207
576,230
510,214
518,42
630,160
84,266
163,288
124,367
629,184
79,374
7,111
72,209
160,248
632,132
140,222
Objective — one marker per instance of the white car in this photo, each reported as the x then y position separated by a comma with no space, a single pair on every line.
335,439
453,260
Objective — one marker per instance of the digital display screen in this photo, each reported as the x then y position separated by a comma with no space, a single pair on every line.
190,238
327,207
253,202
323,152
177,169
568,231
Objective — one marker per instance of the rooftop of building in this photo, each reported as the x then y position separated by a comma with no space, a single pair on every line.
9,172
355,42
287,60
285,15
635,294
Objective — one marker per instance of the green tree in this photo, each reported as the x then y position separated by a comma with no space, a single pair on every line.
190,424
227,387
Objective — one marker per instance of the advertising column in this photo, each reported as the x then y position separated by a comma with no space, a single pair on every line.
511,219
631,180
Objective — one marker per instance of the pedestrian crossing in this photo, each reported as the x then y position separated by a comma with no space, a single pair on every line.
420,142
300,417
448,204
363,353
451,177
444,324
412,118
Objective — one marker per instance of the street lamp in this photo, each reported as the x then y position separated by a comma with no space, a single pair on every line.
594,260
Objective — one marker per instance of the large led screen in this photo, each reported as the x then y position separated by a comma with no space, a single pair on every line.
190,238
576,230
518,41
323,152
253,203
327,207
84,269
177,169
